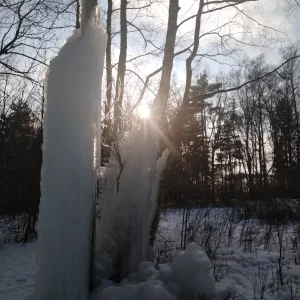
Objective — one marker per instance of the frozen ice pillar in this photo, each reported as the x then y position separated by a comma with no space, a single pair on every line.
72,107
123,238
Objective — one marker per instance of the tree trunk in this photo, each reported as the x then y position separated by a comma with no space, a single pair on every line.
189,73
77,14
106,133
213,193
249,166
121,69
161,99
260,146
108,59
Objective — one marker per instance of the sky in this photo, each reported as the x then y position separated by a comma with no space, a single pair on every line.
281,25
276,25
261,27
266,25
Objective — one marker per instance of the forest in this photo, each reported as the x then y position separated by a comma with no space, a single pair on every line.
236,146
218,82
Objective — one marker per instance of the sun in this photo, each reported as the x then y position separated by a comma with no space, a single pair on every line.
144,112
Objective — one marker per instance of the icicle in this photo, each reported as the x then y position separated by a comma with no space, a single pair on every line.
125,228
67,187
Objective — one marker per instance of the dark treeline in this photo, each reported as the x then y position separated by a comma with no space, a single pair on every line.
30,32
20,166
240,146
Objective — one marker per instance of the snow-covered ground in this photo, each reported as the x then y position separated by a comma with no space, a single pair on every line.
247,259
17,271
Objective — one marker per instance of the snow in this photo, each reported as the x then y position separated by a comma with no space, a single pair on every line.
186,278
146,271
190,272
73,93
153,289
17,270
165,272
240,274
242,271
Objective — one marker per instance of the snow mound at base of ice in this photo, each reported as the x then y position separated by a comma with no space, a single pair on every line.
150,290
186,278
146,271
190,271
165,272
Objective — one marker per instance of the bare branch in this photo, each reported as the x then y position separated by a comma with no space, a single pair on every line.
211,94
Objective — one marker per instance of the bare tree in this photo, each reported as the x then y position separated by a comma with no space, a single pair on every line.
28,30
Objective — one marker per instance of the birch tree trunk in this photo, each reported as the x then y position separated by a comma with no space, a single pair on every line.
121,69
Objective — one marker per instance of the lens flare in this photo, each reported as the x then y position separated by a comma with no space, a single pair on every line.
144,112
